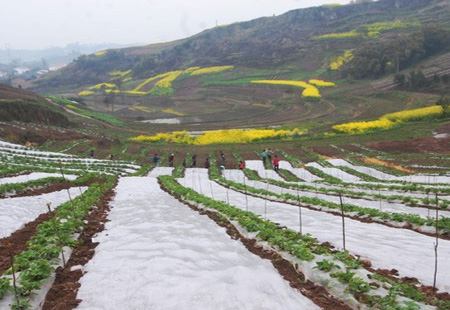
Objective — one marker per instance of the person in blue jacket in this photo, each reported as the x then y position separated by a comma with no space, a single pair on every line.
156,160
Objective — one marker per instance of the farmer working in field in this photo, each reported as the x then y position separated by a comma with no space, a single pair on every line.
171,158
263,157
276,163
156,160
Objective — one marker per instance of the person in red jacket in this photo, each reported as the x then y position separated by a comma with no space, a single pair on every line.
207,163
276,163
241,165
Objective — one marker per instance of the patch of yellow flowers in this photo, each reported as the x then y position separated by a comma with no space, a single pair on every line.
159,76
116,75
362,127
161,88
416,114
100,53
172,111
389,120
167,81
338,61
85,93
310,90
103,86
220,136
141,108
210,70
321,83
340,35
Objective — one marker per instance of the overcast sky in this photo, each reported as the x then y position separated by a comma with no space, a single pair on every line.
37,24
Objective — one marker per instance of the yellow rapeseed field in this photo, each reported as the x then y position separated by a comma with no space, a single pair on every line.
340,35
167,81
310,90
85,93
410,115
338,61
159,76
321,83
209,70
220,136
104,86
389,120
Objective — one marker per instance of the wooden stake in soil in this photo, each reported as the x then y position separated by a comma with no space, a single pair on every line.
60,243
13,269
265,202
246,198
379,194
343,220
61,170
299,213
68,192
436,244
200,184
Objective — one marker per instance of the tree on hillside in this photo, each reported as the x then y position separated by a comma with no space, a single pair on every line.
399,79
417,79
435,37
444,102
375,58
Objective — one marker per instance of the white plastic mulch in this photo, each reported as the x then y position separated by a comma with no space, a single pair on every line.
15,152
16,212
430,179
335,172
157,253
407,251
238,176
258,166
301,173
34,176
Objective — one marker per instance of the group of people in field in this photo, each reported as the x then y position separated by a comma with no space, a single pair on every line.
156,160
266,155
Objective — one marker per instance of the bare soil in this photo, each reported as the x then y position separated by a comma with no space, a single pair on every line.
62,294
17,242
420,145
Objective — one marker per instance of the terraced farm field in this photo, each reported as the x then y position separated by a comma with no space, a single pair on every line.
327,233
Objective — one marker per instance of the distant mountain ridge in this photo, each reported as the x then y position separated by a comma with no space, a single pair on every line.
52,54
268,42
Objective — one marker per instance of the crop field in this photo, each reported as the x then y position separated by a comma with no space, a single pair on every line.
330,229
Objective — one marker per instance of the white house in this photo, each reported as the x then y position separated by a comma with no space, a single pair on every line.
21,70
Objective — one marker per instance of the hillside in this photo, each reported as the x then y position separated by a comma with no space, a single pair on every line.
298,46
268,42
26,118
272,71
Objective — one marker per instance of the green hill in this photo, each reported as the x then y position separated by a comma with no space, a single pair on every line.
270,42
308,69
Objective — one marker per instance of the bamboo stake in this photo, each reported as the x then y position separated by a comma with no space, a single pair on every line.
343,220
436,244
379,194
60,244
299,213
246,198
13,269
